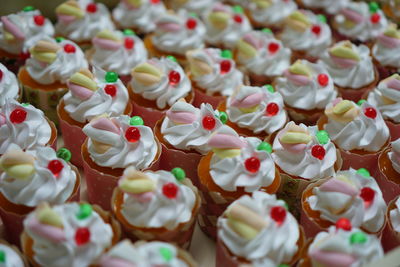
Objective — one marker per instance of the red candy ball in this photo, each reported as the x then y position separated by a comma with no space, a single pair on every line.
278,214
69,48
18,115
82,236
370,112
343,223
174,77
208,122
55,166
91,8
129,43
375,18
191,23
39,20
132,134
170,190
225,66
1,75
367,194
323,79
110,89
316,29
273,47
238,19
252,164
154,2
272,109
318,152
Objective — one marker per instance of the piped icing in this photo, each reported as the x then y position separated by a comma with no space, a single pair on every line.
214,71
257,109
305,152
349,65
10,257
270,12
117,142
94,94
53,61
330,7
9,88
72,234
394,155
259,228
387,47
161,80
394,216
353,126
305,85
195,6
351,194
24,125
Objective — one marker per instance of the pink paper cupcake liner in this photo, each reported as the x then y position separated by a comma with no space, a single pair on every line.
390,238
201,97
394,129
149,115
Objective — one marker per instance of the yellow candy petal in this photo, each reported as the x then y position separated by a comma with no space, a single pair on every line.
300,69
249,110
69,9
242,229
44,57
137,186
147,68
20,171
226,153
107,34
83,80
219,19
295,138
342,107
135,3
298,21
392,31
48,216
246,50
343,51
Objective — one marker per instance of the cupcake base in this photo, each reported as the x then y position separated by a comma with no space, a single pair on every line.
394,129
390,238
387,177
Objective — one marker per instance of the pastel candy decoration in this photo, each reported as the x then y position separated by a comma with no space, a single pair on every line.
134,3
294,138
107,40
390,37
106,124
137,184
182,113
352,17
197,66
69,11
262,4
17,164
245,49
247,99
48,216
331,258
45,51
226,143
124,254
146,74
298,73
343,111
343,55
12,31
82,84
340,185
169,23
298,21
219,19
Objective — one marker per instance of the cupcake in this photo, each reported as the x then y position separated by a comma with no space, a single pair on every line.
81,20
306,89
29,178
155,86
9,87
43,78
386,50
351,68
386,97
261,56
359,132
139,16
256,111
391,233
73,234
248,233
324,6
342,245
196,6
359,21
351,194
26,126
391,8
214,75
117,51
18,32
236,166
225,25
157,205
89,95
306,34
269,14
175,34
11,256
113,144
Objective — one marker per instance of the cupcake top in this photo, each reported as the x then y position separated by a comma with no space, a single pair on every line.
329,6
18,32
24,125
270,12
72,234
225,25
259,227
117,51
196,6
118,142
9,88
386,49
361,21
240,162
140,15
349,65
305,31
214,71
351,194
353,126
386,97
162,80
188,128
305,152
10,256
394,216
81,20
29,178
344,245
305,85
178,33
260,53
259,109
155,199
94,94
394,155
53,61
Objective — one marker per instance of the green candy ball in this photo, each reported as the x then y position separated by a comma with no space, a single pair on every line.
270,88
323,137
179,173
111,77
223,117
136,120
363,172
64,153
358,238
226,53
85,210
265,147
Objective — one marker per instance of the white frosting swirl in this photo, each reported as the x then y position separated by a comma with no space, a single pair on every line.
151,252
122,153
99,103
12,258
164,93
329,6
368,216
310,96
64,65
181,40
275,13
216,82
9,88
258,120
160,211
386,56
361,133
33,132
394,216
275,242
394,155
303,163
365,29
196,6
43,185
357,76
67,252
143,18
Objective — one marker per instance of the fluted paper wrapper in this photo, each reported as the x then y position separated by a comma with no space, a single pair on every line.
201,96
386,177
390,238
394,129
